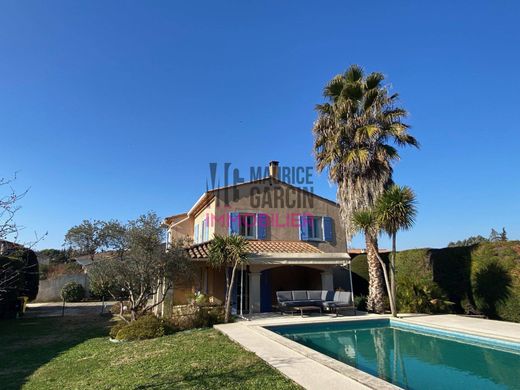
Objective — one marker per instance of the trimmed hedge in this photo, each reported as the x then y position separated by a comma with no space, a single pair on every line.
484,278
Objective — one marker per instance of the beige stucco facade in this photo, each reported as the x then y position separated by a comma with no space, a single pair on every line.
283,204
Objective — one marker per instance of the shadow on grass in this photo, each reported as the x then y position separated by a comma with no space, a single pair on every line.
28,343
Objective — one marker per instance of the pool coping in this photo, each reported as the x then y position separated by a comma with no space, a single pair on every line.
363,378
354,377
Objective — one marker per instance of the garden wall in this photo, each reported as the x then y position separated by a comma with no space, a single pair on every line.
50,289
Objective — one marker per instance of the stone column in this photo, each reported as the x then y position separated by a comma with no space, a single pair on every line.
254,292
327,280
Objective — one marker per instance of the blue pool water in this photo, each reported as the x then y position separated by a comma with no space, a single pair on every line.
413,357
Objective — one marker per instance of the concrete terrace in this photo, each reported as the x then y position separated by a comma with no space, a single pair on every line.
314,370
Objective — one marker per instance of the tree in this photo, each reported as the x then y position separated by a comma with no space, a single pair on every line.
503,235
114,236
18,264
145,269
395,210
9,206
56,256
356,136
227,251
494,236
86,238
473,240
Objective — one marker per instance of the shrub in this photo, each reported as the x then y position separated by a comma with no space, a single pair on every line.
72,292
145,327
194,316
116,328
360,301
483,278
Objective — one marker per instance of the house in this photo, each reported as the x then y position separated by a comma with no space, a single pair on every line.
295,240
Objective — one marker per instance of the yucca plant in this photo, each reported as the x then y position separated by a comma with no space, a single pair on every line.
395,210
225,251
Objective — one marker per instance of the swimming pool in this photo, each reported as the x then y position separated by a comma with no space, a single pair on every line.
411,356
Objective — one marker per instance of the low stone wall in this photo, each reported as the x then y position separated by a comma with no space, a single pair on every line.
50,289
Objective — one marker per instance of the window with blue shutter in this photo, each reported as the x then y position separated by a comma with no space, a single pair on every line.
234,223
304,223
327,229
262,226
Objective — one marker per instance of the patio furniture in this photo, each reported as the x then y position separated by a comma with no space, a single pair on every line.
328,300
301,309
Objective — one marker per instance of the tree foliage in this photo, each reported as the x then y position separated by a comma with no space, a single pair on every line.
494,236
356,136
143,269
224,252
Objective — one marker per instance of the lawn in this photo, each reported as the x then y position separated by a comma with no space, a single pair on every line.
75,353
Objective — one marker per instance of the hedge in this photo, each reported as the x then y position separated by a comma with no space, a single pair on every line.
23,265
483,278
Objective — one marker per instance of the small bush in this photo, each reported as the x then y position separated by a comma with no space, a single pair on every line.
72,292
146,327
114,330
361,302
194,316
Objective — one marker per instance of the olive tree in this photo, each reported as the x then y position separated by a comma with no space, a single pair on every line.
144,269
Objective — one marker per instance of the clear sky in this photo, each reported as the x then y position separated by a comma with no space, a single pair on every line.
109,109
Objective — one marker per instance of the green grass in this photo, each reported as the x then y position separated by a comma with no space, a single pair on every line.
75,353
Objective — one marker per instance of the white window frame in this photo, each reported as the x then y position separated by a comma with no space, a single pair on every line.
254,226
320,223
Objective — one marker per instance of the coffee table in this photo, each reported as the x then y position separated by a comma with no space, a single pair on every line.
301,309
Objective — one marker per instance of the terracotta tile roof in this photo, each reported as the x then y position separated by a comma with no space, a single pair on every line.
199,251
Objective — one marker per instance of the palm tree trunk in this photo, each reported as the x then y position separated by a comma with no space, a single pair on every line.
375,301
229,294
391,297
392,273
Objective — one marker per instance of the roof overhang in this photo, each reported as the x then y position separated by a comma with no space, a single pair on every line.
299,258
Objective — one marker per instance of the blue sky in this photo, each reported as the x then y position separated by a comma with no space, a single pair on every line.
111,109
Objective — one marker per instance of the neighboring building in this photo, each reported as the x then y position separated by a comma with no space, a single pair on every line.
295,240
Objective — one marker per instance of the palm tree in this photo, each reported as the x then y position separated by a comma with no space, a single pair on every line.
366,221
355,138
396,210
227,251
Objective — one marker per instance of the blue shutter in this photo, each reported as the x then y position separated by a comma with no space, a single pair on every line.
327,229
304,222
234,223
196,234
261,228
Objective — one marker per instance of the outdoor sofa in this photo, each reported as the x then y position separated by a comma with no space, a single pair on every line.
327,300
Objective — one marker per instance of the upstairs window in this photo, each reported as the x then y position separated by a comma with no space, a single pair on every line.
248,225
313,228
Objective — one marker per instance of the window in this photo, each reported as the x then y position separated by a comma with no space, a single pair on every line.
203,231
247,226
314,228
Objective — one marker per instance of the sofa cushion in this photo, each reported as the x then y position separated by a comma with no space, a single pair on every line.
315,295
282,296
327,295
300,295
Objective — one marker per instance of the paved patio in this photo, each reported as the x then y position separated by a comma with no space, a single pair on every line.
313,370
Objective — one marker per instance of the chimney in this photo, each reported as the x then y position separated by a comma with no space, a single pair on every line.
273,169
